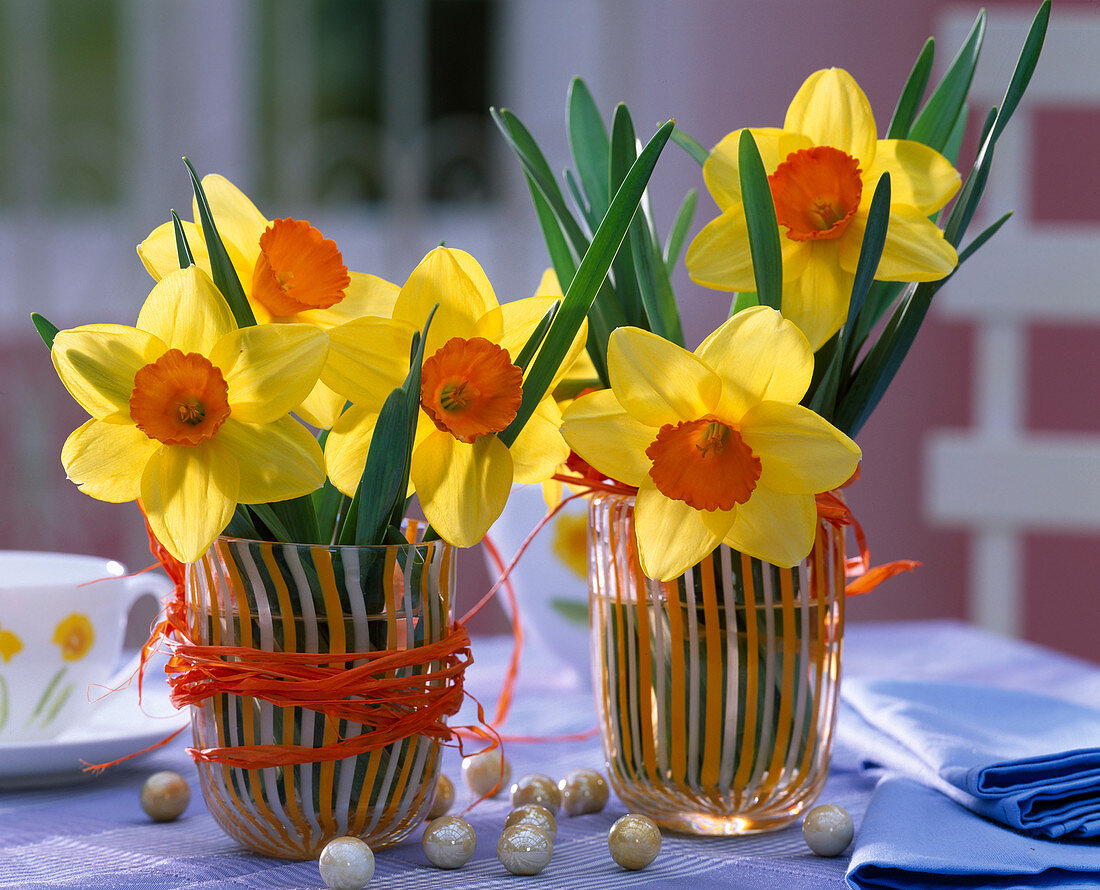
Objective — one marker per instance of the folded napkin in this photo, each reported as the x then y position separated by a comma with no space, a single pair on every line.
1026,760
914,838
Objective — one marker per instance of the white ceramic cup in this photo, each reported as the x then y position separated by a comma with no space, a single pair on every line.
62,625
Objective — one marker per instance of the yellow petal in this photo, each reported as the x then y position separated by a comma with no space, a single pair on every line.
158,251
187,311
777,528
672,536
657,381
549,286
366,295
919,175
454,280
602,433
817,300
321,407
539,448
276,461
800,452
189,495
462,488
238,222
915,248
97,364
759,355
346,447
270,368
721,169
518,320
831,109
368,358
106,460
718,257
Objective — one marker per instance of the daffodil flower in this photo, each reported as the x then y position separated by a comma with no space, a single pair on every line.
715,441
823,166
189,413
470,392
289,271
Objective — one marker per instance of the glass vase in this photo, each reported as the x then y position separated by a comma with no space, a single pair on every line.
716,691
278,597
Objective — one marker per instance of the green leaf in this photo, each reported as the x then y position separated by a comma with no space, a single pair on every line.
183,249
589,145
743,301
299,519
1025,68
936,120
767,256
678,235
659,302
46,329
222,271
590,274
275,530
911,93
537,336
954,141
978,241
625,268
690,145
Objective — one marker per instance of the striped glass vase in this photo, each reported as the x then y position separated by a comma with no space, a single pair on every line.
315,599
716,691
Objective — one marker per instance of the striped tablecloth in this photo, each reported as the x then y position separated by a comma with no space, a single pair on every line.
94,834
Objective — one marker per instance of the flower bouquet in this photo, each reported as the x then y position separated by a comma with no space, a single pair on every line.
717,566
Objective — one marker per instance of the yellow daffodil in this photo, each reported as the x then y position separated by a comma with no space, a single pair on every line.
823,167
189,413
470,391
715,441
10,645
74,635
289,271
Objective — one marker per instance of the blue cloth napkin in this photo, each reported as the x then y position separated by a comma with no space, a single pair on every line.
914,838
1025,760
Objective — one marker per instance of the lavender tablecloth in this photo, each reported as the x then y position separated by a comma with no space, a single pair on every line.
94,834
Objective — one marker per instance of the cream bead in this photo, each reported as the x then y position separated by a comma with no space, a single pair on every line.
524,849
534,814
583,791
634,841
536,788
481,772
827,829
444,797
449,842
346,863
164,796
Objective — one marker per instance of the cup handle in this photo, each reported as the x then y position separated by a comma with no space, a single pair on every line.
137,586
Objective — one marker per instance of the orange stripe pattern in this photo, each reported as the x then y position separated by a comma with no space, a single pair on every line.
320,601
716,691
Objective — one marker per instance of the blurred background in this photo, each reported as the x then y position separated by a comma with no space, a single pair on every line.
369,118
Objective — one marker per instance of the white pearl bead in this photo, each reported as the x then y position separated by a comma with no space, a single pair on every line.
449,842
634,841
444,798
583,791
346,863
164,796
827,829
524,849
534,814
536,788
481,772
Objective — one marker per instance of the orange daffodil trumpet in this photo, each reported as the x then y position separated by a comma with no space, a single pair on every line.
462,471
289,271
715,441
823,166
189,413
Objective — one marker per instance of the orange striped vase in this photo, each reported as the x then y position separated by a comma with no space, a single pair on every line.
312,598
716,691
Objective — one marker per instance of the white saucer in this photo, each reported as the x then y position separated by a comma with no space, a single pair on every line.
116,727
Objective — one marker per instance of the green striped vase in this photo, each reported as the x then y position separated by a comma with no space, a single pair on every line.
310,598
716,691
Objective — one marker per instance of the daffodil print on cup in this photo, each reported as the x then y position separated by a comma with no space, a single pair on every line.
715,442
471,390
74,636
189,413
289,271
10,644
823,166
